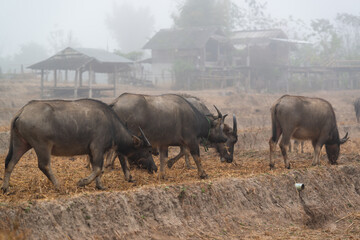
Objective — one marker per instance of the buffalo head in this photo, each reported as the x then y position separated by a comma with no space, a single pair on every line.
333,150
216,131
142,153
143,160
226,150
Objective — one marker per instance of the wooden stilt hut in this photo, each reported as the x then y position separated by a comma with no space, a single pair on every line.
78,61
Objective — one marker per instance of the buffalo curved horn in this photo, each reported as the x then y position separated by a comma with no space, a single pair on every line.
218,112
144,137
344,139
225,116
234,125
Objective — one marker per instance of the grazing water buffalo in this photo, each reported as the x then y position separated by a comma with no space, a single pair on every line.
226,150
357,109
67,128
305,118
169,120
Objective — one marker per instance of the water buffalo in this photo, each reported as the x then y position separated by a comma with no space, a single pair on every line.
305,118
226,150
68,128
169,120
357,109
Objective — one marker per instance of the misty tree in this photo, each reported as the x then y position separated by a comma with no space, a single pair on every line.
30,53
60,39
348,26
130,27
327,42
242,15
251,15
201,13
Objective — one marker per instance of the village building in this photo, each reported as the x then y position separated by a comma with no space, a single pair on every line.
73,63
261,56
192,50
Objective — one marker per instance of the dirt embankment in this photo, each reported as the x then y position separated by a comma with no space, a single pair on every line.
266,206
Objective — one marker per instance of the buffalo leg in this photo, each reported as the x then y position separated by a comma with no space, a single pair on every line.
317,150
96,160
98,182
163,157
296,146
195,153
43,154
183,151
173,160
290,147
187,159
284,143
302,146
272,146
125,167
110,157
19,148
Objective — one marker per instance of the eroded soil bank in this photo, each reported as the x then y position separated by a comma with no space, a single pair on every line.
266,206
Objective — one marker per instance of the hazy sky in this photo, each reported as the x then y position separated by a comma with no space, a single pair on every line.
24,21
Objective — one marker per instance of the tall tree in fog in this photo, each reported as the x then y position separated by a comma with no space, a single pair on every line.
131,27
59,39
348,26
243,15
201,13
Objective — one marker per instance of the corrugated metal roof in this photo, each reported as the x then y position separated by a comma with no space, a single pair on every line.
74,58
184,38
256,35
102,55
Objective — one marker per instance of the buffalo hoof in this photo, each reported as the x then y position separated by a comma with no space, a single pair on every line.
162,177
170,164
81,183
204,176
152,171
130,179
272,166
4,190
288,167
101,188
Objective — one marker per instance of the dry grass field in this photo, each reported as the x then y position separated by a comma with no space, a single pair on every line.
29,185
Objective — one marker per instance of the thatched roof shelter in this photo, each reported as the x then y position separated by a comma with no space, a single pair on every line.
81,60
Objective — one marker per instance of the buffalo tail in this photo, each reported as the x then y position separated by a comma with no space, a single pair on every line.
10,153
273,121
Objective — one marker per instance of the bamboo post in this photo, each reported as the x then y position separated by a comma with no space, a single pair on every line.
115,79
76,83
55,78
42,83
80,77
66,76
90,81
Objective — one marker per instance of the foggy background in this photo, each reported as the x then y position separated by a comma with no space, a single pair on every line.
33,30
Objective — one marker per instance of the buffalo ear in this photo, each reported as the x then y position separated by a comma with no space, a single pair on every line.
136,141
